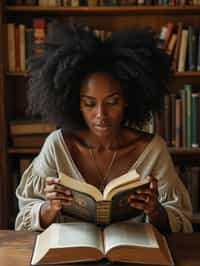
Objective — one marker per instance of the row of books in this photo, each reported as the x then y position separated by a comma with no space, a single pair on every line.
183,44
29,133
25,41
190,175
179,124
77,3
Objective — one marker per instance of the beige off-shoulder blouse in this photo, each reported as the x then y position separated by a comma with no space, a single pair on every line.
55,157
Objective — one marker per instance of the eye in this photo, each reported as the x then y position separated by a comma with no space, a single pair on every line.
89,104
112,101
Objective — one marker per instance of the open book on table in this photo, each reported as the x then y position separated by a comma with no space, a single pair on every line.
80,242
90,205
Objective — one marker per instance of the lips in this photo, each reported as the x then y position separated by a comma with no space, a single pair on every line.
102,126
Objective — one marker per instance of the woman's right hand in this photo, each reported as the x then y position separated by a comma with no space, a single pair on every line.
56,195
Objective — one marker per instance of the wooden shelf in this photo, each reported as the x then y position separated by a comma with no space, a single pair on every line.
101,10
24,151
185,151
176,75
187,74
173,151
196,218
17,74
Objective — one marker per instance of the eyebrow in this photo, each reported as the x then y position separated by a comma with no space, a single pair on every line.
92,98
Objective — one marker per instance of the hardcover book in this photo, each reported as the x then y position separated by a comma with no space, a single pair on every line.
82,242
90,205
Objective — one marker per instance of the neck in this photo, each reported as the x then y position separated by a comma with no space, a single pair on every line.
104,142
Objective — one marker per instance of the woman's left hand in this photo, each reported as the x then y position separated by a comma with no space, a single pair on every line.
146,199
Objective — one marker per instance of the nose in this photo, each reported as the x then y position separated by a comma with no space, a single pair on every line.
101,111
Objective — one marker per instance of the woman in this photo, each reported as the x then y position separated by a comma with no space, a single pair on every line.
94,91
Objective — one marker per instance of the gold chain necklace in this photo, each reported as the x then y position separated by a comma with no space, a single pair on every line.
103,178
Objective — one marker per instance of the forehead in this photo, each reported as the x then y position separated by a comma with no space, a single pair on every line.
99,84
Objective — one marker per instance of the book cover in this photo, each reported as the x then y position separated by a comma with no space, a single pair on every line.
90,205
84,242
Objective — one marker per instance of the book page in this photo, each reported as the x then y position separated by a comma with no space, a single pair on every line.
119,182
129,233
65,237
79,234
44,241
77,185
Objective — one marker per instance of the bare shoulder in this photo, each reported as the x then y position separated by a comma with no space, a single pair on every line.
139,137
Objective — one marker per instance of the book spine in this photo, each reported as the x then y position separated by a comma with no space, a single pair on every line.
191,49
198,51
178,123
194,118
172,43
177,48
22,48
103,210
39,35
168,34
30,2
173,118
183,51
183,117
11,47
188,90
29,42
167,119
92,2
17,49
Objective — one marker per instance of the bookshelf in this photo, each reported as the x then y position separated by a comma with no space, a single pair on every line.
13,85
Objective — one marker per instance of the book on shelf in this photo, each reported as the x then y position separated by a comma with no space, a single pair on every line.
28,141
11,47
111,205
183,51
177,48
84,242
30,127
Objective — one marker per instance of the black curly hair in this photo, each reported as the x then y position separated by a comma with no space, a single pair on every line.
72,52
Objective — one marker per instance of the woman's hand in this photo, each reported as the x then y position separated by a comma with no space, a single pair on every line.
146,199
56,195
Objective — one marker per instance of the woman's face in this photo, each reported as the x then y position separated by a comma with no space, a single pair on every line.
102,103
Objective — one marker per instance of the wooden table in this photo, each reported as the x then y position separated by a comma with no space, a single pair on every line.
16,248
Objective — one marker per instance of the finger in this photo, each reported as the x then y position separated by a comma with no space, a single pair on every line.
57,188
138,205
153,183
52,180
58,196
141,197
147,191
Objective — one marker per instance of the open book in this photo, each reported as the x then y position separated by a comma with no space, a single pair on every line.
90,205
81,241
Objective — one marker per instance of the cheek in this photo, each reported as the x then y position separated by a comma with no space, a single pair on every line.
87,115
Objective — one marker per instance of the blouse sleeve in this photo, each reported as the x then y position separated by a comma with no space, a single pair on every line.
173,195
30,192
